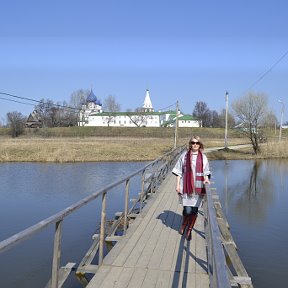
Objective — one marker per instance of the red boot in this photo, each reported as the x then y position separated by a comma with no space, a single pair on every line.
191,222
184,224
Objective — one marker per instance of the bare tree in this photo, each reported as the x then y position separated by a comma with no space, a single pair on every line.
43,108
78,98
68,116
139,118
16,122
270,120
56,115
110,106
251,110
222,119
202,112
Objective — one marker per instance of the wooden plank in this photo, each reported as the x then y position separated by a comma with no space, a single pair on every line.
137,278
99,277
235,259
124,278
169,218
113,238
201,280
191,249
201,255
134,251
88,268
176,280
155,236
189,280
150,279
112,277
175,259
171,249
132,235
89,256
145,238
163,280
140,234
189,255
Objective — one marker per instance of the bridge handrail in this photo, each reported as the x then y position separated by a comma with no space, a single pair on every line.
217,270
57,219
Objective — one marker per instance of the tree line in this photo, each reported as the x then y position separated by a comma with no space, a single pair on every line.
250,113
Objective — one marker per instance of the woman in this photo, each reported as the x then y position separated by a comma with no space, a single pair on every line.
192,171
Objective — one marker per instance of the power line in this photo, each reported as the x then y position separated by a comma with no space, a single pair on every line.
268,71
16,101
37,101
165,108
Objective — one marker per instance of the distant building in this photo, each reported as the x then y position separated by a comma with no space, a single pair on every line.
92,115
34,120
147,105
188,121
91,106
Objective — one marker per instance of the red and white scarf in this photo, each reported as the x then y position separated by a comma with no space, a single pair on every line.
188,185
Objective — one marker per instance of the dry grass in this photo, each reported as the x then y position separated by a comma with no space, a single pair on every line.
270,150
274,150
97,149
82,150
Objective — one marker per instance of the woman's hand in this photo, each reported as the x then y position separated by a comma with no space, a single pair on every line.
178,184
206,180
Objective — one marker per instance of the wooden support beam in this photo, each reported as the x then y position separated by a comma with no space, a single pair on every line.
89,268
62,275
113,238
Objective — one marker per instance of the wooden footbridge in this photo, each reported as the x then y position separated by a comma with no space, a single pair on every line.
151,252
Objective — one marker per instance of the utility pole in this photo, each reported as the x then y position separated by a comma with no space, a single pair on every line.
176,125
281,120
226,121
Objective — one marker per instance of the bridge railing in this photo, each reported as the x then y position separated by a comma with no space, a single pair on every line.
216,259
152,175
225,267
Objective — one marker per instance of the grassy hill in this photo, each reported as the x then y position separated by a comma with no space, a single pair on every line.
154,132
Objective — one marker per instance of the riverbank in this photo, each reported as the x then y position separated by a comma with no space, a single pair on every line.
102,149
99,149
100,144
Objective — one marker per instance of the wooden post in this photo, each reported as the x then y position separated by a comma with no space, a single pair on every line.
102,228
226,121
176,126
126,204
56,254
142,190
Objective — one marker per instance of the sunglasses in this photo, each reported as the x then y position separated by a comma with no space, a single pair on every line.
195,143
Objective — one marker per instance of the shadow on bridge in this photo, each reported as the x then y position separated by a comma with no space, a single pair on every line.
185,257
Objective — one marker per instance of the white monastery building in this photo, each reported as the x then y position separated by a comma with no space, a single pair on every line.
92,114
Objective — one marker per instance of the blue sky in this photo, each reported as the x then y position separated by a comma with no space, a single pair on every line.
180,50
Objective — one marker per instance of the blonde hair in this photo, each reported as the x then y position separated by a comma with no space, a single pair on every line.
198,139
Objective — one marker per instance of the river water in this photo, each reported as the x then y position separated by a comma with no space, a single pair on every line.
255,201
253,195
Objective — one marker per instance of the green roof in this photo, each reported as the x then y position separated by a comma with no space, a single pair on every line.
130,113
187,118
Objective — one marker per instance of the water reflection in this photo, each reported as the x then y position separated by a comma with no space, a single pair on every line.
254,198
257,195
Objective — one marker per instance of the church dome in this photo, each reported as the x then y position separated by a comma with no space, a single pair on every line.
92,98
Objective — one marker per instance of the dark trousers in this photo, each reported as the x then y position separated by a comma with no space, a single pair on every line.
190,210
